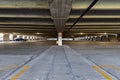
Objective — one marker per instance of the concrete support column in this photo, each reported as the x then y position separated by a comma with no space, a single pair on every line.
27,37
24,37
31,38
11,37
60,39
6,37
1,36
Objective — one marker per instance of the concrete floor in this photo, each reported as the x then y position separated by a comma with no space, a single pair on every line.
73,61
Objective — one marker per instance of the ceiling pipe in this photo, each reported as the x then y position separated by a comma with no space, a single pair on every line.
91,5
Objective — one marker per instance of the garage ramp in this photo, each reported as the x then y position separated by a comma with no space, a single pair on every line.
61,63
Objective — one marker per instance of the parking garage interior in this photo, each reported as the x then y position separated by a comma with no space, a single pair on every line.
59,39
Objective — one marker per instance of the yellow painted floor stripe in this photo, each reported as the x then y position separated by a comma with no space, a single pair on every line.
25,68
8,67
115,67
111,66
102,73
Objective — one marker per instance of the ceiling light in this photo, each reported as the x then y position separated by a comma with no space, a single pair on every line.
81,33
105,33
37,33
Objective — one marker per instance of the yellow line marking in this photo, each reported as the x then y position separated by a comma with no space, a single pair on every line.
8,67
25,68
116,68
111,66
102,73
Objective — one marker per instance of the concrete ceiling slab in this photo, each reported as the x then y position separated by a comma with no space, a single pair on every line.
58,15
23,4
102,4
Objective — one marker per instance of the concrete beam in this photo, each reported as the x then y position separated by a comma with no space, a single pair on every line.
23,4
60,10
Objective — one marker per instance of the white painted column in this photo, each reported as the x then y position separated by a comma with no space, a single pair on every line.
31,38
1,36
28,38
11,37
24,37
60,39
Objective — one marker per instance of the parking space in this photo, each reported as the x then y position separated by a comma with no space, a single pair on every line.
15,55
41,61
64,63
104,54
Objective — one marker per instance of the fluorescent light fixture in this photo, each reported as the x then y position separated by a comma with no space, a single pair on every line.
81,33
105,33
37,33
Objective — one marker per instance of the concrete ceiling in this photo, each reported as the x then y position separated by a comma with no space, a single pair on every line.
52,16
103,17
